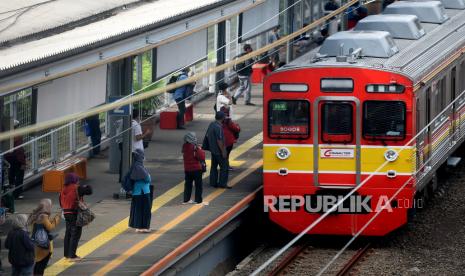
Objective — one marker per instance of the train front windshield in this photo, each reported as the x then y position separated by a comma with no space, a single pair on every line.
289,119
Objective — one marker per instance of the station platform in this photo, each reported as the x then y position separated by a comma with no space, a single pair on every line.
108,246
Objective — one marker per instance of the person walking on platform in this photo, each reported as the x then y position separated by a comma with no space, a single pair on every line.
20,246
214,142
70,195
93,123
193,157
231,134
41,219
137,135
274,36
17,160
244,73
141,204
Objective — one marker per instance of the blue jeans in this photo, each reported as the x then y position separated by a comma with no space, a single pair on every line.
22,270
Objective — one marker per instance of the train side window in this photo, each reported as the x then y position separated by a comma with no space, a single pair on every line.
384,120
289,119
337,122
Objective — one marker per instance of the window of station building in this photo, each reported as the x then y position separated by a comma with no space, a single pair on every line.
337,122
384,120
289,119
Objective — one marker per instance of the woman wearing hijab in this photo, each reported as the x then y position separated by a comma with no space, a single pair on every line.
20,246
193,155
41,217
70,195
141,203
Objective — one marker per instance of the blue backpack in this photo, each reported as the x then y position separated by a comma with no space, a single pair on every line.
128,183
40,236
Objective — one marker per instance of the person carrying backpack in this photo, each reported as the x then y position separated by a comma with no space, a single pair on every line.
244,73
180,96
20,247
41,221
141,202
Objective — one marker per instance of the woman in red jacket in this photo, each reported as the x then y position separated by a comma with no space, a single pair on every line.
69,196
193,155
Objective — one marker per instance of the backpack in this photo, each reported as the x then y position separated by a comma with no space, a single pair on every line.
40,236
128,183
172,79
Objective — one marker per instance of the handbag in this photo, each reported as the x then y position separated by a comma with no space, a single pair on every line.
203,164
40,236
84,215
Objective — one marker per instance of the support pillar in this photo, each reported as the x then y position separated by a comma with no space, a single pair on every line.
119,84
221,51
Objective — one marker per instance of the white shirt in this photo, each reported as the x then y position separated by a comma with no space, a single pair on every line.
136,130
221,101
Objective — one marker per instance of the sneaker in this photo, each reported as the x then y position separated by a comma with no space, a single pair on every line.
20,197
205,203
188,202
75,259
233,100
181,127
251,104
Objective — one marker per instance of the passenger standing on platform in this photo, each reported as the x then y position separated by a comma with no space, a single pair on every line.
20,246
214,142
180,95
141,204
231,134
223,99
274,36
137,135
193,156
17,160
93,122
41,217
244,73
70,195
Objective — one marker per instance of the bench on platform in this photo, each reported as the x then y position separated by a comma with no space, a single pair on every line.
54,178
168,116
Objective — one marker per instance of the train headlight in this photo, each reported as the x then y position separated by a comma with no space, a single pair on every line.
391,155
283,153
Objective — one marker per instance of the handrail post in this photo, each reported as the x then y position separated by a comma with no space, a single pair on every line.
54,145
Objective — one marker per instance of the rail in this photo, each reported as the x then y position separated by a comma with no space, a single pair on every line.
182,250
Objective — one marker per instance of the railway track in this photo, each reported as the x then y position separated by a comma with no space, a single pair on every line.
304,253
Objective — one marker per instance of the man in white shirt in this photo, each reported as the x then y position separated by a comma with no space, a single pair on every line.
223,99
137,135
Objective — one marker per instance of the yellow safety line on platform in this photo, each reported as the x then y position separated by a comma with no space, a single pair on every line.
167,227
117,229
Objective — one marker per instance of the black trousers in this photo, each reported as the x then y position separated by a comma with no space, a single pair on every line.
16,177
96,139
180,116
72,236
219,160
196,178
40,266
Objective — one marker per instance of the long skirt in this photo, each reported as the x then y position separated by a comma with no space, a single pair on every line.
140,215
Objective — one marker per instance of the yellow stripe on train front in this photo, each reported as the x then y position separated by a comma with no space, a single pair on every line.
301,159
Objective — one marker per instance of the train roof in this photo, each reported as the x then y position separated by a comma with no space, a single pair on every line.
415,57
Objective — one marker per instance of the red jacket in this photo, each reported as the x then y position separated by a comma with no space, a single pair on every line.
69,198
192,156
229,129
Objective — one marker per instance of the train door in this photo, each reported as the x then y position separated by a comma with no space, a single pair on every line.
422,120
336,141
